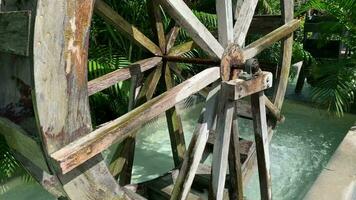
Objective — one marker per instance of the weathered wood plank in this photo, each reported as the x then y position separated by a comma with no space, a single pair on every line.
127,157
225,22
116,76
114,19
243,15
15,28
262,144
18,140
201,61
235,171
175,126
130,143
243,109
266,41
135,88
86,147
161,188
181,49
200,34
274,110
122,161
171,37
244,88
196,147
287,47
61,98
154,10
225,114
47,181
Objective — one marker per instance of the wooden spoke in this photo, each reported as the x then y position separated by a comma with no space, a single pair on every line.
67,161
266,41
287,46
122,161
151,87
113,18
171,37
135,87
186,19
262,144
95,142
155,11
47,181
245,10
18,140
114,77
221,145
196,147
130,143
181,49
235,171
202,61
274,110
225,22
175,126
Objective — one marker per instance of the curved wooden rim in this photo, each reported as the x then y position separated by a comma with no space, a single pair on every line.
61,88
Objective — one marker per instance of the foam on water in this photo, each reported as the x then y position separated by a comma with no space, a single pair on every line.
300,149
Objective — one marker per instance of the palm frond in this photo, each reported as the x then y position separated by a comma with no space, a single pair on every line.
336,86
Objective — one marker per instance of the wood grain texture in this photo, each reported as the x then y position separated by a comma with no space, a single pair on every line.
235,171
18,140
114,19
86,147
225,22
181,49
243,15
196,147
49,182
116,76
276,113
15,30
174,122
122,161
287,48
125,152
244,88
182,14
225,114
171,37
129,144
262,144
154,10
61,98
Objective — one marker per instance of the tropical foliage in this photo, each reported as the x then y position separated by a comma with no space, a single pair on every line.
335,84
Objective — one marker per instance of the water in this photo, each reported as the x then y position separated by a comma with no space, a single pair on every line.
300,149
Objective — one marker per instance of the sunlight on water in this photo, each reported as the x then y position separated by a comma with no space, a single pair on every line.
300,149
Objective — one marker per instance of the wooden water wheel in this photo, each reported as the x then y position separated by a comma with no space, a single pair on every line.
44,105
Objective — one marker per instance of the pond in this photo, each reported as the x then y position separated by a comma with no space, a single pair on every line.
300,148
